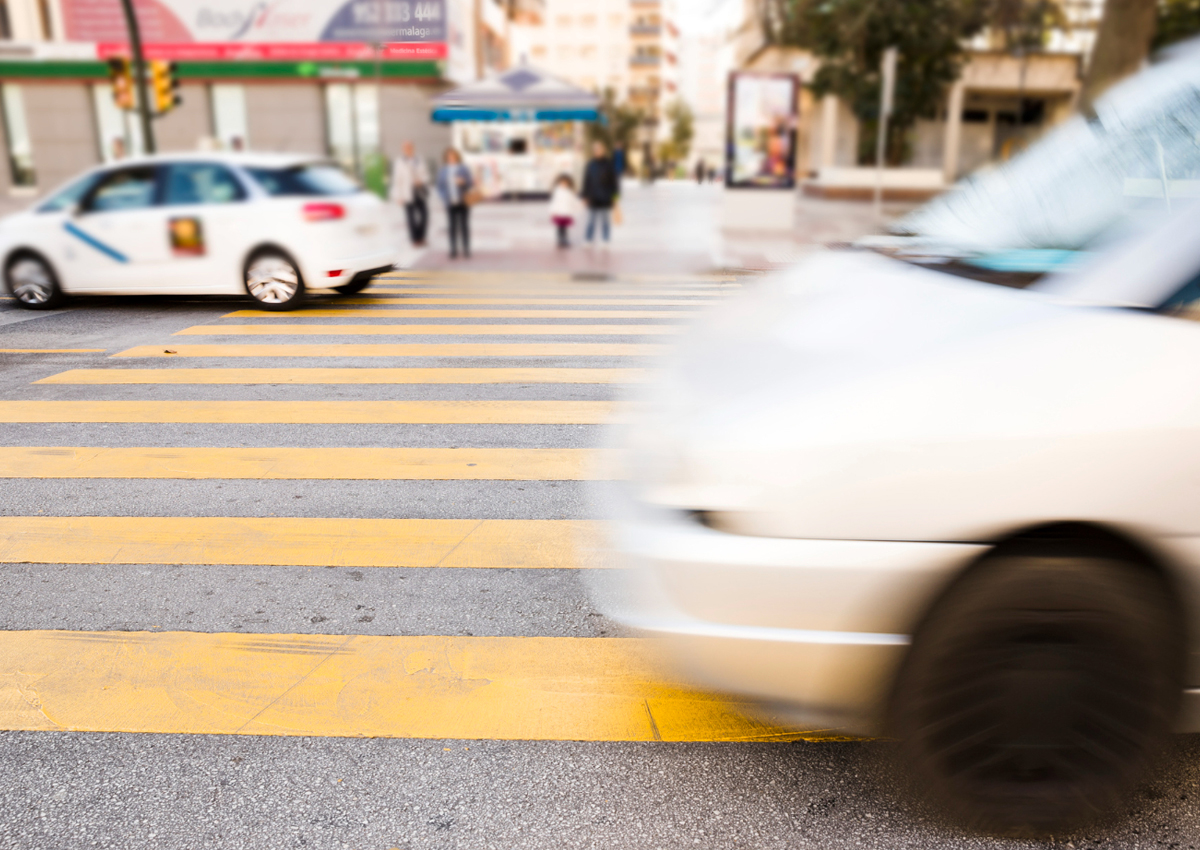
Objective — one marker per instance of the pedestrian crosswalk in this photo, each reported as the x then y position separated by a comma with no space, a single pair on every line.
517,412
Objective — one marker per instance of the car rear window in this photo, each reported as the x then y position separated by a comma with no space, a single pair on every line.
317,179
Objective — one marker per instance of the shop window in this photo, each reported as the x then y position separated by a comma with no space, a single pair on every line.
229,116
975,116
16,129
352,124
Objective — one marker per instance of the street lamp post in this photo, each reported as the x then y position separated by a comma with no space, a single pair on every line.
139,75
886,95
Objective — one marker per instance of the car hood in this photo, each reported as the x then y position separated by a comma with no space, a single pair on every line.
857,396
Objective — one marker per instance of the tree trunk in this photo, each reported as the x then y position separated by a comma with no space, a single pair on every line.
1122,45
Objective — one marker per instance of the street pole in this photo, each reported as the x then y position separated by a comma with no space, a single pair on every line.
139,75
886,95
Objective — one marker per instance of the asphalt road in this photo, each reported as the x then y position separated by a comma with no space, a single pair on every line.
166,786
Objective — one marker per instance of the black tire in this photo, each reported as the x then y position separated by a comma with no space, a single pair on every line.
1039,690
273,280
32,283
356,285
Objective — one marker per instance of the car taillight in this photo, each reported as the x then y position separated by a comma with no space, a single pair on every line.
323,212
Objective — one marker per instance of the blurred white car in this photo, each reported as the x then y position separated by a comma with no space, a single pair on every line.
878,497
263,225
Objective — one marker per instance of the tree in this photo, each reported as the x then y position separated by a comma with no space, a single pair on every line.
1024,26
1122,45
1177,20
683,129
618,122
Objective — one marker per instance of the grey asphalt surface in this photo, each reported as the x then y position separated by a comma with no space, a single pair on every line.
71,790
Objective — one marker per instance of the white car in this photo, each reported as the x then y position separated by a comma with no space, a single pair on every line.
264,225
878,497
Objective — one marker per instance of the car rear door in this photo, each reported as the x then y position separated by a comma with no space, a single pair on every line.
208,225
118,233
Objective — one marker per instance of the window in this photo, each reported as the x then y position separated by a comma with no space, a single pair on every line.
313,179
5,24
201,183
20,147
588,52
563,21
587,20
70,195
120,134
352,123
125,189
45,20
229,116
616,21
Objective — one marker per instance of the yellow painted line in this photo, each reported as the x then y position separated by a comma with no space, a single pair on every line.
302,542
380,464
468,688
428,330
313,412
497,375
52,350
455,349
329,313
559,292
387,300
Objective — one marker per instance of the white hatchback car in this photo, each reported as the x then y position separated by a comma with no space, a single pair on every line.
877,496
264,225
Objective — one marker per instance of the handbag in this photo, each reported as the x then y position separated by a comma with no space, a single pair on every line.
616,214
472,197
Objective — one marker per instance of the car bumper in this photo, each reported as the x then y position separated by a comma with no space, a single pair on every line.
349,267
815,629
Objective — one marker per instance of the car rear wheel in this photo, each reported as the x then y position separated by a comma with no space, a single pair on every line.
1038,691
273,280
32,283
358,284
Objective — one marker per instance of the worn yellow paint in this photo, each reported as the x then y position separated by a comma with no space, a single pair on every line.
313,412
302,541
498,375
389,300
381,313
452,349
507,688
428,330
378,464
52,350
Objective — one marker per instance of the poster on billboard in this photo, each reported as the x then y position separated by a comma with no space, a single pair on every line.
761,131
257,29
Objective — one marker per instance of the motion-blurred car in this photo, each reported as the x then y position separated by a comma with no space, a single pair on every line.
263,225
881,498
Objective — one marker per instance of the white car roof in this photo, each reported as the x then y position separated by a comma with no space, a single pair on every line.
248,159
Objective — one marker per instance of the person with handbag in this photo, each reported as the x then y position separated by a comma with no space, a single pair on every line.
410,181
600,191
457,188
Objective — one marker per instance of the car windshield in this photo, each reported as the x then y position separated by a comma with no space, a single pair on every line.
312,179
1085,183
68,196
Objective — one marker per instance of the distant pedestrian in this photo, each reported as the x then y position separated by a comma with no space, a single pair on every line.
648,167
410,187
620,161
563,207
455,185
701,171
600,190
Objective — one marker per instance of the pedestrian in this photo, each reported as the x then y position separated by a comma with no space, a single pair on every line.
620,161
455,185
564,204
701,171
410,187
648,167
600,190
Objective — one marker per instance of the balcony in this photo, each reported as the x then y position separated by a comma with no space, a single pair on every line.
643,94
645,60
646,4
645,29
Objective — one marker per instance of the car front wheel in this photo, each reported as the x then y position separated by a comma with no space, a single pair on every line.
1039,689
273,280
32,283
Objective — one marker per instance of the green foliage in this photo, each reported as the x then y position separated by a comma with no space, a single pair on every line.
618,125
375,173
1025,25
1177,20
683,129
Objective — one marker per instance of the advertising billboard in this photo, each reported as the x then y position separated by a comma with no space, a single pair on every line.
264,29
761,131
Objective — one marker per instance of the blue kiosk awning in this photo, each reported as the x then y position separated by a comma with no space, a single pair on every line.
522,94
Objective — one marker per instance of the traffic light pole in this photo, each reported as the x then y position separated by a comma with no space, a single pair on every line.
139,75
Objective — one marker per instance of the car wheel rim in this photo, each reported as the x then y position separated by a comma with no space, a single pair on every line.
31,282
272,280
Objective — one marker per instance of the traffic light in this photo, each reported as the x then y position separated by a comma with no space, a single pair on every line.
164,86
121,75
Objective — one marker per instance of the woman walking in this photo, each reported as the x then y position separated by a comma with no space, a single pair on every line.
454,184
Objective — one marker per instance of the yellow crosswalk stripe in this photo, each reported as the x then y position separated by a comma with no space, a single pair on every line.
302,542
369,464
388,300
428,330
380,313
708,295
316,375
506,688
452,349
313,412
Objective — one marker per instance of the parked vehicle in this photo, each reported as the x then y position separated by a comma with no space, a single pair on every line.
266,226
884,499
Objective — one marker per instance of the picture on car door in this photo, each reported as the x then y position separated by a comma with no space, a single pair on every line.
187,237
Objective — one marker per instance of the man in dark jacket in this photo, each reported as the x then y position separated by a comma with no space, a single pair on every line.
600,190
